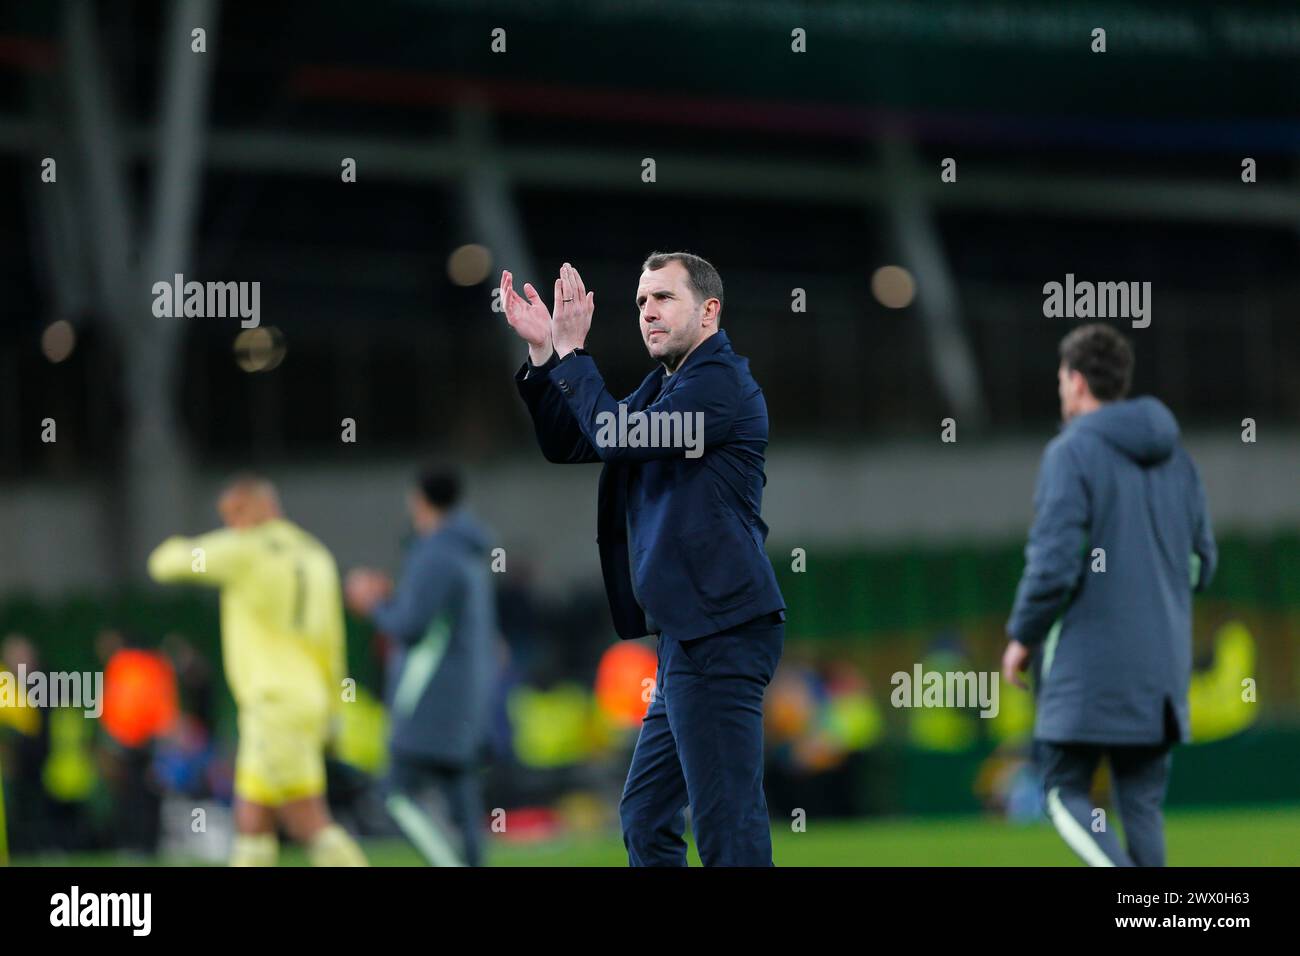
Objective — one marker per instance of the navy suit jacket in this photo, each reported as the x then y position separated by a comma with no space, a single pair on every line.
680,538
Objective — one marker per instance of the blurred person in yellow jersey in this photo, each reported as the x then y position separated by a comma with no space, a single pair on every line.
282,636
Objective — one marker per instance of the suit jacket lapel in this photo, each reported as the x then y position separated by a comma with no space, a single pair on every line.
644,395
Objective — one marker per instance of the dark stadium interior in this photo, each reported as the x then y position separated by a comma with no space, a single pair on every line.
788,173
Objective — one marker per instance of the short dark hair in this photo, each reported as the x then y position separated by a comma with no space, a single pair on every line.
1103,357
440,484
704,279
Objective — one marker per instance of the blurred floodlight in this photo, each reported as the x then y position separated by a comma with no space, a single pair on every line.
58,340
893,287
260,349
469,265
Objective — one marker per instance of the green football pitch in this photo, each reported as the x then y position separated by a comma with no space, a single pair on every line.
1258,836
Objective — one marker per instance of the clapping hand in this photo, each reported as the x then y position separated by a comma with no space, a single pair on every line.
528,317
365,589
574,306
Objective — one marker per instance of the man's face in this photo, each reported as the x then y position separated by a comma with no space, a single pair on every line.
418,507
243,509
1069,386
233,508
671,320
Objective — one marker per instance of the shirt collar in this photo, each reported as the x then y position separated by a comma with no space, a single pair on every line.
714,343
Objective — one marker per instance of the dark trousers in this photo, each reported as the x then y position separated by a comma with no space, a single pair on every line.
1140,776
701,744
137,801
439,807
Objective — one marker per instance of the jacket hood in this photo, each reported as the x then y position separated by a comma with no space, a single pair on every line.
464,530
1142,428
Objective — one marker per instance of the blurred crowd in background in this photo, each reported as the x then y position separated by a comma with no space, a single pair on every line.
163,747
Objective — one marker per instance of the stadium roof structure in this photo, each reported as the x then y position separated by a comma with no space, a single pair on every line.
167,155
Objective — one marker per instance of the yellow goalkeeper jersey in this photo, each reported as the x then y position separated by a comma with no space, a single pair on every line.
282,631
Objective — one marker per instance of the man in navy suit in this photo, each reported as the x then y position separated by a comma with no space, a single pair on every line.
681,545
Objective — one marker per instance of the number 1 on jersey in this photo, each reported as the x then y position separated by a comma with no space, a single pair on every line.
300,595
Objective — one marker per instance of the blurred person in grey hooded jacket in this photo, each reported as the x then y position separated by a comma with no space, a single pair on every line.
442,618
1121,537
